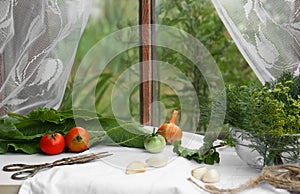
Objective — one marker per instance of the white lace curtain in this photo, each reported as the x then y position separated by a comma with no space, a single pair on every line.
267,32
38,41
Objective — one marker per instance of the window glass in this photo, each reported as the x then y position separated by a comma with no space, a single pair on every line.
107,18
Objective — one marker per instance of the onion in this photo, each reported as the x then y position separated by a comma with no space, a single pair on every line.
170,131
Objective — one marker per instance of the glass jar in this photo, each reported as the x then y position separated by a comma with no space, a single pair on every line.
261,151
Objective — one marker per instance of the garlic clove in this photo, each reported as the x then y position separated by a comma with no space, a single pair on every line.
199,172
211,176
135,167
157,161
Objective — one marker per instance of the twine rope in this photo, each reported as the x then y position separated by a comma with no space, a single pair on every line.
286,176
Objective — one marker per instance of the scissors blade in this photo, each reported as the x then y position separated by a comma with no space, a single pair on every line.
88,157
80,158
102,154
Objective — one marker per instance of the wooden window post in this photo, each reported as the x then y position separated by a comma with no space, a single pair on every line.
146,68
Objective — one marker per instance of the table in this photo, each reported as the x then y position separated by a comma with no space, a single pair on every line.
107,175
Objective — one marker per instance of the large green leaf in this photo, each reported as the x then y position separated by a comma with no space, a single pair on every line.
8,129
118,132
129,135
29,147
22,133
3,147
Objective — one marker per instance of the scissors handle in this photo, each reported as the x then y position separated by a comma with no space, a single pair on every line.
18,167
27,170
22,175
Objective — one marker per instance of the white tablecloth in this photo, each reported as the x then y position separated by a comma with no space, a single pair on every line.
108,176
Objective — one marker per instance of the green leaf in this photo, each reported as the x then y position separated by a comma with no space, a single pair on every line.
124,134
45,114
81,114
21,133
3,147
26,146
177,146
207,156
96,137
29,147
8,129
216,156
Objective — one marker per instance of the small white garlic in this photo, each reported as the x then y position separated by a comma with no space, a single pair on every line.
199,172
211,176
157,161
135,167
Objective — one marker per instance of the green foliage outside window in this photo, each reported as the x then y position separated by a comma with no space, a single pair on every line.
200,19
197,18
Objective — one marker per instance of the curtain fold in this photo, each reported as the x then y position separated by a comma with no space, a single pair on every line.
38,42
267,33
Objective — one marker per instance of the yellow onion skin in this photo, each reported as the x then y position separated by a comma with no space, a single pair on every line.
170,131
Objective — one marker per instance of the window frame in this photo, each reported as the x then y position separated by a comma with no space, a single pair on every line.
148,85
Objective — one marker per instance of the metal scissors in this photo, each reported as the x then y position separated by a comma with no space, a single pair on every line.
27,170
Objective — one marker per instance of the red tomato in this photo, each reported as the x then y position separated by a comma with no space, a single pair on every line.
77,139
52,143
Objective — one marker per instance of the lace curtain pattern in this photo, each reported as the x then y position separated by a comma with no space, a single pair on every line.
267,33
38,41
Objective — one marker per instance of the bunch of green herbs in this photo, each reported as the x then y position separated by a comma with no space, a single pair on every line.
270,114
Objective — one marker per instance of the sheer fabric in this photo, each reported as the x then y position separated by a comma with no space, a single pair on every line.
267,32
38,41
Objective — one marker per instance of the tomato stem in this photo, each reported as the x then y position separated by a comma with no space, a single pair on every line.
52,135
78,138
153,132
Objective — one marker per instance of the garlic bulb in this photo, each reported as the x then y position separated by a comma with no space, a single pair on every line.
211,176
157,161
199,172
135,167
